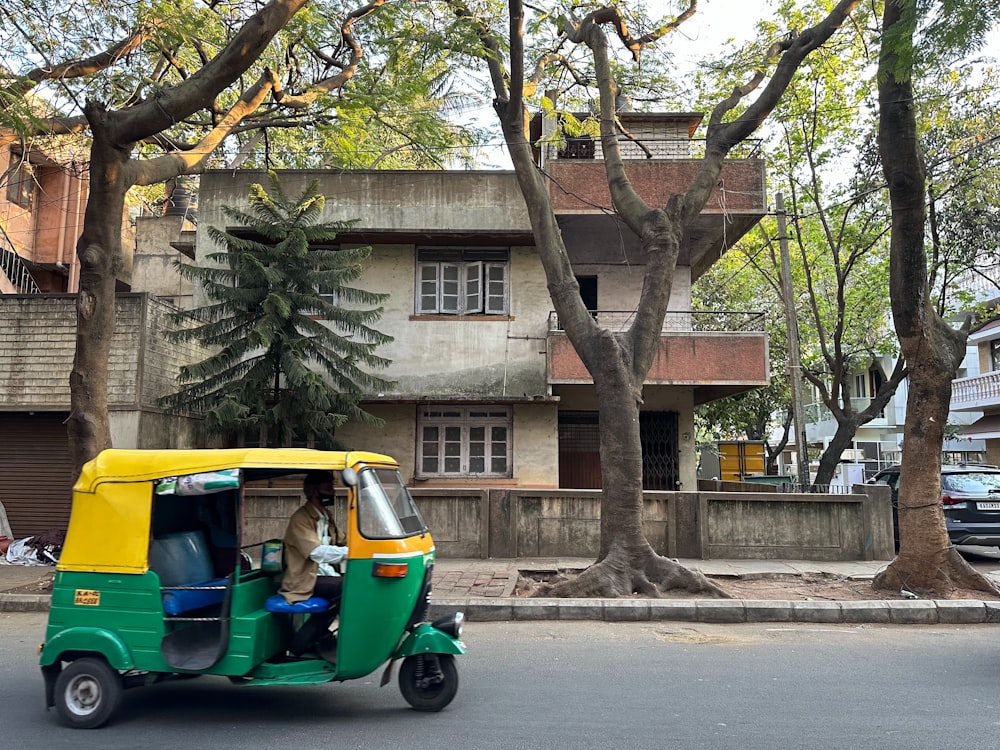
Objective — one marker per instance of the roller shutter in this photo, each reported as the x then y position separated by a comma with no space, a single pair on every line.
35,474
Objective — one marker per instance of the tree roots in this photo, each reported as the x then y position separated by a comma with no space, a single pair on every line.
940,578
649,575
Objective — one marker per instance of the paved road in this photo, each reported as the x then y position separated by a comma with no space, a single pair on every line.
577,686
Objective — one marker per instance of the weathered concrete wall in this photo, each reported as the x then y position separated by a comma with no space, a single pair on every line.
472,356
703,358
619,283
383,201
507,523
153,269
535,445
740,186
37,343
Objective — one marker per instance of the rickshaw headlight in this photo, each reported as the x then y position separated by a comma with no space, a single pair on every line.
450,624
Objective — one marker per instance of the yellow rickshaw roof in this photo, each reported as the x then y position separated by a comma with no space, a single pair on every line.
120,465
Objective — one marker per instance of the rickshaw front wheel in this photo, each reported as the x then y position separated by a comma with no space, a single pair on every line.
428,682
87,693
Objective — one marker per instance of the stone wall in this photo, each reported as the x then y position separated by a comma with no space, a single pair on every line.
38,341
507,523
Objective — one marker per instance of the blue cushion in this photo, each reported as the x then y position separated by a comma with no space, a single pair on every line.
277,603
177,602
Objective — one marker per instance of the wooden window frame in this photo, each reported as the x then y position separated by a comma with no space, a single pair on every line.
462,282
448,434
21,187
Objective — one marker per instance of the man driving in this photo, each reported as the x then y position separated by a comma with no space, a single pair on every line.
311,548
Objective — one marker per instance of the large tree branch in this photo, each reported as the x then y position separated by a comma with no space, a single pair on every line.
85,66
47,126
174,104
491,47
722,136
346,70
195,160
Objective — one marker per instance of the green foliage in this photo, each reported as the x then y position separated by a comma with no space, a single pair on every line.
288,363
743,279
959,124
397,109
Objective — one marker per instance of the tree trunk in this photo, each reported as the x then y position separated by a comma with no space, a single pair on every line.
840,442
100,252
626,563
927,563
618,363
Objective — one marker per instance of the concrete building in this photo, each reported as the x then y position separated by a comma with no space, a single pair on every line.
979,394
489,390
42,201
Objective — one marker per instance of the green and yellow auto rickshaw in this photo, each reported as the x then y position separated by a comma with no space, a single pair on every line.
154,583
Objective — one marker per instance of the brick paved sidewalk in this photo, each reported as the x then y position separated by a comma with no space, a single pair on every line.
457,583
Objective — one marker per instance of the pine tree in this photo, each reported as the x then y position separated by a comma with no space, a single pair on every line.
290,365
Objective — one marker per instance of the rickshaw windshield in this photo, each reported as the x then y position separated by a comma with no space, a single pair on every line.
385,507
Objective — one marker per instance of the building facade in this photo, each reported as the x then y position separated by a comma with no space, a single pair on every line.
488,388
42,202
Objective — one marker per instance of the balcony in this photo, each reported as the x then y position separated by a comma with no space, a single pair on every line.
15,278
820,422
976,394
578,188
719,353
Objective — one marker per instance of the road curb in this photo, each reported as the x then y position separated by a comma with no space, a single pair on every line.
24,602
717,611
721,611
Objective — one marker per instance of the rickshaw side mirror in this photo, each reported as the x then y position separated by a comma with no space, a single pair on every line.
349,477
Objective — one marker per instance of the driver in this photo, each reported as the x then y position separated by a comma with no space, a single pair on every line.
311,548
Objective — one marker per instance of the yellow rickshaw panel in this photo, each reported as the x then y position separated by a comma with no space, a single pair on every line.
109,529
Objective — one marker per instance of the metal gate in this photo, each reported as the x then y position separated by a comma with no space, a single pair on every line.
658,434
35,475
579,450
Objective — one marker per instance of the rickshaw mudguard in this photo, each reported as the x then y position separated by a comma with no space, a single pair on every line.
426,639
81,641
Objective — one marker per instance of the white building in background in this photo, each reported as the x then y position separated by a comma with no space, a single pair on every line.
976,390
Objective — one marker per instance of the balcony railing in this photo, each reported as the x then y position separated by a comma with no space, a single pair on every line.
678,322
982,390
817,412
643,147
12,266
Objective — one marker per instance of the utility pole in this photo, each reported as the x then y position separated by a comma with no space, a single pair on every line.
794,364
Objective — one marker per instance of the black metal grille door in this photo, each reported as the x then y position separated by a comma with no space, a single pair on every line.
658,434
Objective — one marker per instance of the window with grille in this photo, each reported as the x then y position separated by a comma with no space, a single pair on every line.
464,441
462,281
578,147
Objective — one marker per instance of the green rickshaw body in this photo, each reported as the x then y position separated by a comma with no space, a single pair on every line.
116,601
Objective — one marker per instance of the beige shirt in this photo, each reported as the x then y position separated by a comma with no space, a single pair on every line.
300,539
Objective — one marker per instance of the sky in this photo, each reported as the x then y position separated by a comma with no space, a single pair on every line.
714,22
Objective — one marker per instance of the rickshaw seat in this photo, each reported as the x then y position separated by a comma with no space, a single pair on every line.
277,603
178,600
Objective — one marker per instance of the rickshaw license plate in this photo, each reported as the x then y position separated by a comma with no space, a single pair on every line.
987,506
87,598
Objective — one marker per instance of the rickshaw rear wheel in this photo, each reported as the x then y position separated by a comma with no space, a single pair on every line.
88,691
424,690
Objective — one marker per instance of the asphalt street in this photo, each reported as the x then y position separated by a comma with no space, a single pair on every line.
580,685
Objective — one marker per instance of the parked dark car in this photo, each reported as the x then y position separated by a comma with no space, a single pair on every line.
970,495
